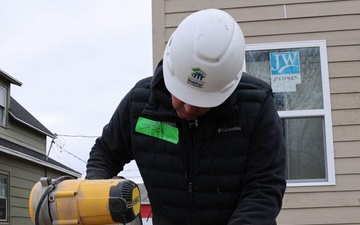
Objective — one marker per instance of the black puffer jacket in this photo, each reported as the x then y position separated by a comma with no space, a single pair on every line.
227,167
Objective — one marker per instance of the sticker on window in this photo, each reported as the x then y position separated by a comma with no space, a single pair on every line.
285,71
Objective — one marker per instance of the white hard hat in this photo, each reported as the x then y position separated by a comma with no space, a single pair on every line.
203,58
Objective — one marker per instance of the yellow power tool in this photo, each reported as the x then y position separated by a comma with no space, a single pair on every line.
69,201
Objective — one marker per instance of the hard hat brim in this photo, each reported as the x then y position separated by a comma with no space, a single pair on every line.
195,96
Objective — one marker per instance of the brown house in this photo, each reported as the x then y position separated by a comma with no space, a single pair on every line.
23,157
318,99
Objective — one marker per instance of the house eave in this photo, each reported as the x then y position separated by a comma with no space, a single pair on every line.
38,161
31,126
10,78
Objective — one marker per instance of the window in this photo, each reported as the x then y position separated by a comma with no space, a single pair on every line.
298,74
2,105
3,197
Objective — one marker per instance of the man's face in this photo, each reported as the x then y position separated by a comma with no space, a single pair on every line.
186,111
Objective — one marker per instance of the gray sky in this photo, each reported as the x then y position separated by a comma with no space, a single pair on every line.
76,60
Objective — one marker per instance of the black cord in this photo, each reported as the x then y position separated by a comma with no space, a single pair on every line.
46,192
60,179
52,185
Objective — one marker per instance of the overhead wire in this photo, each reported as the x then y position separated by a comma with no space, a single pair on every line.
76,136
75,156
59,142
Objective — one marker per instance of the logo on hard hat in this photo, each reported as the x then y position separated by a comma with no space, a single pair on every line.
196,78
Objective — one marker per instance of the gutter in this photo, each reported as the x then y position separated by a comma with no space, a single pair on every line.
29,125
38,161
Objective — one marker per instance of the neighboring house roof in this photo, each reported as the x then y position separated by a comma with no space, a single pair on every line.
35,157
20,114
9,78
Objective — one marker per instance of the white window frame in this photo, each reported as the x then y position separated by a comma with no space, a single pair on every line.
325,112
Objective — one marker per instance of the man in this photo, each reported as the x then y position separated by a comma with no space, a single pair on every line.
206,137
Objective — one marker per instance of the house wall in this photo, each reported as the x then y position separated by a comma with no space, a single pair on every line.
337,22
24,136
22,177
4,82
18,133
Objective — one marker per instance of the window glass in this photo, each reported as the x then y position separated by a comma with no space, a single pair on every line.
2,96
3,198
297,73
304,138
2,105
291,94
2,114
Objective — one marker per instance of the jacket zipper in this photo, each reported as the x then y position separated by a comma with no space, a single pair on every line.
192,131
191,177
191,161
191,182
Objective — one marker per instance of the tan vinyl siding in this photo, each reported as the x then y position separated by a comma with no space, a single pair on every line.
341,69
345,101
345,85
321,199
347,149
337,22
329,216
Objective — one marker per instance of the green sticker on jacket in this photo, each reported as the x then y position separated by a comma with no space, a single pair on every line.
157,129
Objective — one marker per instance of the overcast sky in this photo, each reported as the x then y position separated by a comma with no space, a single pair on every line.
76,60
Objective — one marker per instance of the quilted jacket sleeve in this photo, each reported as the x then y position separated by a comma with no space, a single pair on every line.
264,182
112,150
